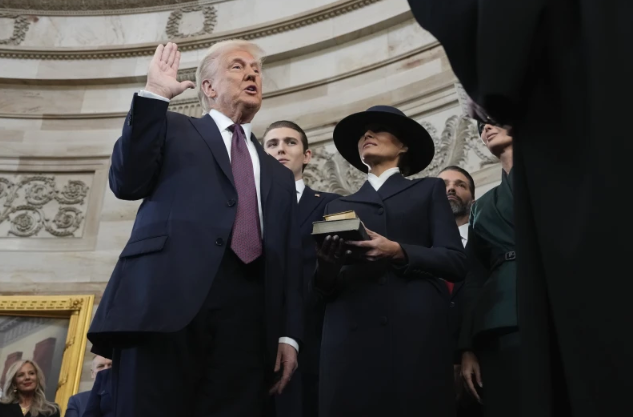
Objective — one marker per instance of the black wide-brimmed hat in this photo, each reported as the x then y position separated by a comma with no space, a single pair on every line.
348,132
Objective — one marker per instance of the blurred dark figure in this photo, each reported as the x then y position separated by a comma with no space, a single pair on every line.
559,72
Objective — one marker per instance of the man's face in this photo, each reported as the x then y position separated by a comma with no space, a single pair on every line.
99,363
284,144
237,82
458,192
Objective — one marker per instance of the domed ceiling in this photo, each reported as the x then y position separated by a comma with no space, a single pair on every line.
87,7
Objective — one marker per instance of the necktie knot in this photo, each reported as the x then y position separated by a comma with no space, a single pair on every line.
237,129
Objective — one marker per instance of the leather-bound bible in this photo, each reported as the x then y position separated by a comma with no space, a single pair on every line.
345,225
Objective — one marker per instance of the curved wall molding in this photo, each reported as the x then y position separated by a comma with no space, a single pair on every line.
94,7
193,43
191,106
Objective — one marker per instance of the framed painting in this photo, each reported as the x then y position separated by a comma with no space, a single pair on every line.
51,331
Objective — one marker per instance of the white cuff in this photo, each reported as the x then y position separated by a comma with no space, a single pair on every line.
290,341
149,94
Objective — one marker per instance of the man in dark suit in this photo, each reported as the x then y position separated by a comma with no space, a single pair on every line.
209,285
288,143
460,191
77,403
100,403
558,71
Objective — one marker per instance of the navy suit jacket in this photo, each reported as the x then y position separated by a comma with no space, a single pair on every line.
100,402
179,166
311,209
77,404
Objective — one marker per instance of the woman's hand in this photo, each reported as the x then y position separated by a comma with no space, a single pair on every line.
470,368
379,247
331,257
332,251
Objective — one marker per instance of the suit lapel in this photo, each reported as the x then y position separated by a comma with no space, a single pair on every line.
308,203
394,185
265,177
209,131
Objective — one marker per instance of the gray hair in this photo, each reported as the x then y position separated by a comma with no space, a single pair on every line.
39,406
210,63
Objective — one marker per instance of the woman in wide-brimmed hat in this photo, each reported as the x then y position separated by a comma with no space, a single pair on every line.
386,349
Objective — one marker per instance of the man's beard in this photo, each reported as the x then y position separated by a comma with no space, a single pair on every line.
458,207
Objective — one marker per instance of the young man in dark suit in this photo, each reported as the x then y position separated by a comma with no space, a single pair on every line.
209,285
288,143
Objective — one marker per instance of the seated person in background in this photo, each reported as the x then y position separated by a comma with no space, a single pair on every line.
288,143
77,403
24,392
100,401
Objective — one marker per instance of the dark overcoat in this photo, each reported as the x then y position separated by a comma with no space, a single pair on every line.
559,72
386,348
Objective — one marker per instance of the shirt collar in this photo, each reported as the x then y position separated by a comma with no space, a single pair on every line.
463,231
223,123
300,186
377,182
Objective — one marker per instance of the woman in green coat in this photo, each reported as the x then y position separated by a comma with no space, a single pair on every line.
489,337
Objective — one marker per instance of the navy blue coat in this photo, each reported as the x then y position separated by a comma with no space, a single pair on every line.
386,348
179,166
100,403
77,404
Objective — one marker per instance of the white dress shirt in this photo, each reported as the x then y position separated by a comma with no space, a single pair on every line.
223,123
463,231
377,182
300,186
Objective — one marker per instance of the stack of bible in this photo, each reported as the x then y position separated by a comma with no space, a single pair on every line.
345,225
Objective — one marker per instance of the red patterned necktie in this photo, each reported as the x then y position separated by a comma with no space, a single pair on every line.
246,241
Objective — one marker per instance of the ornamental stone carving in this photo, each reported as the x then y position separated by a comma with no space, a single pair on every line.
173,28
42,206
88,7
329,172
20,27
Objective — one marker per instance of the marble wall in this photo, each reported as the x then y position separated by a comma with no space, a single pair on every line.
66,82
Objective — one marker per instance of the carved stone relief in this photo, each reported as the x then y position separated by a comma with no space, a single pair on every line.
20,27
329,172
43,206
173,28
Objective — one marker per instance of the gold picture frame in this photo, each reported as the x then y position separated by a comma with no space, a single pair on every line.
77,310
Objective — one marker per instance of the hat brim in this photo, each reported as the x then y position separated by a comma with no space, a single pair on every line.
348,132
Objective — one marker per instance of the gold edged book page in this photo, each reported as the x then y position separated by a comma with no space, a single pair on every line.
351,214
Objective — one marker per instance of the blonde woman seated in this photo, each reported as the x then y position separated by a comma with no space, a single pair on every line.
24,392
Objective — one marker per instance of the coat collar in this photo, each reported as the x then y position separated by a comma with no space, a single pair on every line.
308,203
394,185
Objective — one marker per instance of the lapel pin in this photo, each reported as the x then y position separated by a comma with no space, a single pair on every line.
317,195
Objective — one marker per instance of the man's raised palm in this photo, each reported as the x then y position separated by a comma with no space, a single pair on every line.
163,72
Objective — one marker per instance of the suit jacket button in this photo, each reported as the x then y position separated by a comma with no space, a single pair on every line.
230,203
219,241
381,210
452,303
383,320
382,280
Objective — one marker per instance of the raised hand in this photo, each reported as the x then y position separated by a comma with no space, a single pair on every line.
163,72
